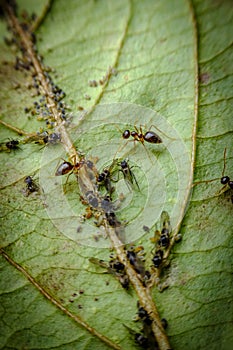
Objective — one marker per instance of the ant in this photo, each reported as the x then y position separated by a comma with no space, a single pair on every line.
67,167
224,180
138,135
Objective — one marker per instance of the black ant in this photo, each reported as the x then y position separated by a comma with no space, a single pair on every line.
224,180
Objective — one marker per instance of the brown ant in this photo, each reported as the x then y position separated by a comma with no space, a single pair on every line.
67,167
138,135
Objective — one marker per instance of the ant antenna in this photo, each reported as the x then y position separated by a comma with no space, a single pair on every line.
224,160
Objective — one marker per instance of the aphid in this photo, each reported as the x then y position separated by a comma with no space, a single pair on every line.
136,262
165,230
54,138
157,258
105,178
127,173
31,185
112,219
164,233
12,144
92,199
164,323
116,268
139,338
146,228
143,315
116,265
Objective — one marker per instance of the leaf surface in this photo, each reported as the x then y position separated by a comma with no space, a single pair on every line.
48,285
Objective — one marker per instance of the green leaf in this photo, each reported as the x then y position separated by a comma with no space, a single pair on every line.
51,295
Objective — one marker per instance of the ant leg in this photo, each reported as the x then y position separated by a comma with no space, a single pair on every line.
205,181
224,161
163,133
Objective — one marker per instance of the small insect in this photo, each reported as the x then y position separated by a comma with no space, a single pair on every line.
105,178
165,230
12,144
224,180
92,199
112,219
67,167
138,135
136,262
139,338
116,268
164,323
157,258
164,234
143,315
127,173
31,185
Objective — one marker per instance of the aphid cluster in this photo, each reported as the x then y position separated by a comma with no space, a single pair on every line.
161,239
111,71
111,175
145,338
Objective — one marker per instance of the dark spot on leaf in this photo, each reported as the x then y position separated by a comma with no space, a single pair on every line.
204,78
